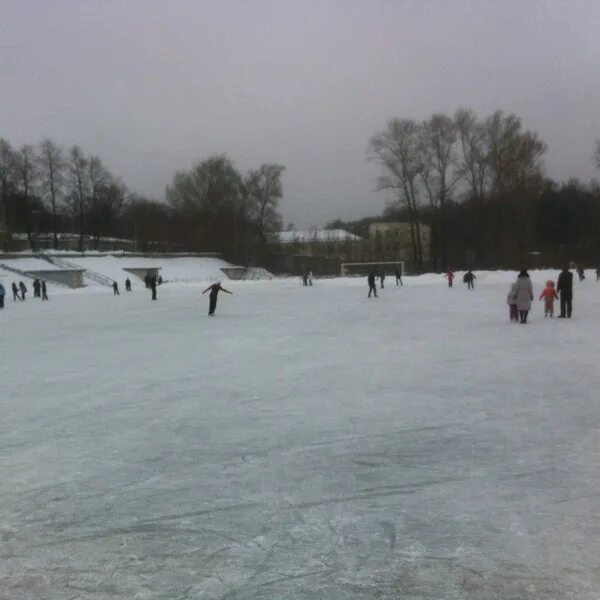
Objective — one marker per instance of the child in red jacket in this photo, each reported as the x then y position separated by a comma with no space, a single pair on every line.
549,295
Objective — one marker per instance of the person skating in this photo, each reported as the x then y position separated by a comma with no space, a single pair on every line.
23,290
36,288
382,278
310,278
44,291
127,285
215,288
147,280
469,278
2,294
511,300
549,295
152,285
372,285
305,279
597,274
564,287
160,280
15,291
523,295
115,289
581,273
398,274
450,277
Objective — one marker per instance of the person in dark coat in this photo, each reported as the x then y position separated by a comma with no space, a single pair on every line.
44,291
581,273
597,274
147,281
382,278
372,286
160,280
564,286
469,278
116,289
127,285
305,279
215,288
36,288
23,290
2,293
15,291
399,277
152,285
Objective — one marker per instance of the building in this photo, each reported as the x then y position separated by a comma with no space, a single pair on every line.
320,251
393,241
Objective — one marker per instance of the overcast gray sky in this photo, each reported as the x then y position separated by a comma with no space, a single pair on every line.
153,86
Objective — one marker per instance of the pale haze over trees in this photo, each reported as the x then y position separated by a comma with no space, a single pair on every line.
152,87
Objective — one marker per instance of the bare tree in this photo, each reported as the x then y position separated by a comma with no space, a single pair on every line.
78,188
7,177
263,190
99,179
472,163
438,140
210,205
398,150
52,174
106,209
515,156
25,161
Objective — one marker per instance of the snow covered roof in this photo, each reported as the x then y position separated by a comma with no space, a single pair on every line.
315,235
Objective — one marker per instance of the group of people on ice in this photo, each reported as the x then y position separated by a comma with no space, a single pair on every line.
468,278
372,281
19,291
520,297
150,281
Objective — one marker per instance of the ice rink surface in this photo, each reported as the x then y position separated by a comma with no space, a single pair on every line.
306,443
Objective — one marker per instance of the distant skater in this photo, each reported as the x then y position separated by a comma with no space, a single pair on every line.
116,289
469,278
372,285
399,277
565,289
23,290
523,295
215,288
2,294
305,279
511,300
310,278
36,288
15,291
127,285
382,278
549,295
597,274
581,273
450,277
152,285
44,291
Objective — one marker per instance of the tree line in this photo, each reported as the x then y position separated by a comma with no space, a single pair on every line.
479,185
210,207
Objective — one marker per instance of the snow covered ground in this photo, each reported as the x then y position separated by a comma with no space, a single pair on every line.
306,443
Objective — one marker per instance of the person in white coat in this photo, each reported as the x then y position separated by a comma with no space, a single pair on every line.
523,295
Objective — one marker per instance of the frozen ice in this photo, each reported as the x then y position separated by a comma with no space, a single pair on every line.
306,443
